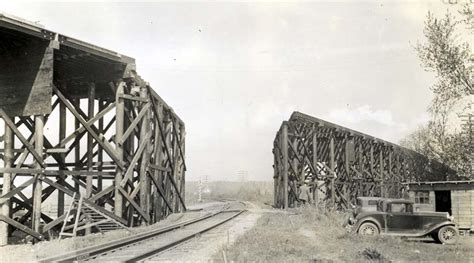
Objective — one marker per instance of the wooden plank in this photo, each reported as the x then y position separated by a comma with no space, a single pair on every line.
135,98
81,129
21,227
137,155
102,193
23,140
161,192
90,130
17,190
284,149
37,187
134,204
159,168
134,123
7,182
119,126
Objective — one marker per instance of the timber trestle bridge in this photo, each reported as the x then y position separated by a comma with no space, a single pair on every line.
81,127
342,164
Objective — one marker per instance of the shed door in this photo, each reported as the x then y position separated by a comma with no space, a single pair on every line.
443,201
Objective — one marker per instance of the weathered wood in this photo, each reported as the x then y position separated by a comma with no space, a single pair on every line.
21,227
284,148
119,129
37,187
23,140
7,182
26,78
355,171
90,130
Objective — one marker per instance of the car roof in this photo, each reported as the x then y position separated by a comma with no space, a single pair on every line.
369,198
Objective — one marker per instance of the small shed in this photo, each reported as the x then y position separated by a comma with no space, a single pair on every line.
454,197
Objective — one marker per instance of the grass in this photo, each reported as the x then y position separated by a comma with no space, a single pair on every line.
312,234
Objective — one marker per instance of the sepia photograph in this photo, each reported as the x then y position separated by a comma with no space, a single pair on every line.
237,131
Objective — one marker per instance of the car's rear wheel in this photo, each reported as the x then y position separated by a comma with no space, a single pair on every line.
368,229
448,235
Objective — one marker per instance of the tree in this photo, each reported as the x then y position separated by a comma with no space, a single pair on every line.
448,56
445,53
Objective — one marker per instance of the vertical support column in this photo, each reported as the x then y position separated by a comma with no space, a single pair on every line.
37,187
382,182
100,150
284,148
157,161
62,135
182,134
90,139
7,181
90,145
315,165
119,119
77,148
388,189
361,169
144,181
332,164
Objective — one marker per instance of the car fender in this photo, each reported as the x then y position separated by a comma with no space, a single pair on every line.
367,219
438,226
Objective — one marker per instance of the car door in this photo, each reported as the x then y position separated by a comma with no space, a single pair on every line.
400,218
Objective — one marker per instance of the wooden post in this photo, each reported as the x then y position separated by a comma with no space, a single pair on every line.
90,145
388,190
119,121
182,134
157,173
144,181
382,187
37,187
332,164
62,135
284,148
100,150
315,165
7,181
90,139
77,149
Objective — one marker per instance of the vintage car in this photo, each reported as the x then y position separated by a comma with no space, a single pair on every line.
396,217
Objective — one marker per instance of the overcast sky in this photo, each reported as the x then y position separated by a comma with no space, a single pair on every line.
233,71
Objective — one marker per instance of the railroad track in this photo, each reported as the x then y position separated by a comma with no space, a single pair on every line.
144,246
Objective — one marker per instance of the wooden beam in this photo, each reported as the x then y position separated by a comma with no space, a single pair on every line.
23,140
99,138
37,187
7,183
284,149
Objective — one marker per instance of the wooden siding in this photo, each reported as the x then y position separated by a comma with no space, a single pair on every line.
462,205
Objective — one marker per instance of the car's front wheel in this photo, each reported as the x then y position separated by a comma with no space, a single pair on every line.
368,229
448,235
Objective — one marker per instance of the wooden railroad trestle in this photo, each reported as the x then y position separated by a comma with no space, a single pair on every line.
342,164
80,123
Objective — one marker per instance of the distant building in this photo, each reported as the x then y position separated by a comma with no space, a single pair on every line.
454,197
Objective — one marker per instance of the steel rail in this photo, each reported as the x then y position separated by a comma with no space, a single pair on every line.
152,252
92,251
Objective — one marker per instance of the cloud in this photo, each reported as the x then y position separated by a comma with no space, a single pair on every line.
361,114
